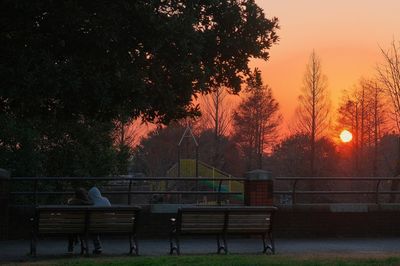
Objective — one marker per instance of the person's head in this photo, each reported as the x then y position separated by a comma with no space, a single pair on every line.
94,192
82,194
97,199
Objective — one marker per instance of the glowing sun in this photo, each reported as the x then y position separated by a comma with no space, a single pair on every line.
346,136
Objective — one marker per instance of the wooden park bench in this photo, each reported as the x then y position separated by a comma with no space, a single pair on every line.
64,220
221,222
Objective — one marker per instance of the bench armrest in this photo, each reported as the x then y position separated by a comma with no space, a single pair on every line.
32,221
173,222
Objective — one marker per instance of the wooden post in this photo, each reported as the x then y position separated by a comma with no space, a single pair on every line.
4,201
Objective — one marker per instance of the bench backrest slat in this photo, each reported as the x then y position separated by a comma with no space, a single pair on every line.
61,221
249,222
197,222
112,221
225,220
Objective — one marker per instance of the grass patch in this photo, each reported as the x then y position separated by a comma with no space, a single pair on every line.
215,260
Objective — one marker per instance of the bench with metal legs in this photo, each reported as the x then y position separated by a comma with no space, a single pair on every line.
85,221
221,222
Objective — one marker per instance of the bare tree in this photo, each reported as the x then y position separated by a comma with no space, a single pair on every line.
363,112
216,111
217,116
348,118
127,132
377,120
389,75
313,111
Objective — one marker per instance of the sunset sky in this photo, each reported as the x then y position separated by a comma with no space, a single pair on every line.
345,34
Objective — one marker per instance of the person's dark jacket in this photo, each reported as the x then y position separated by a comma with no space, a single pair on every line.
80,198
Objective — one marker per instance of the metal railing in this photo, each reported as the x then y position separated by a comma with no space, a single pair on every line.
376,192
293,184
36,192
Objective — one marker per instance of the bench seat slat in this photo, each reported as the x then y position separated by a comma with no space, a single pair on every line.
116,227
126,230
112,220
194,227
119,215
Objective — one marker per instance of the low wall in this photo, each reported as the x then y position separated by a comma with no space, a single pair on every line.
299,221
328,224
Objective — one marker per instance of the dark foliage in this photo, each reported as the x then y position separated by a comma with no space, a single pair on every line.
70,69
291,157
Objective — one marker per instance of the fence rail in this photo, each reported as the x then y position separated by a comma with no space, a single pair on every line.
36,192
294,192
376,190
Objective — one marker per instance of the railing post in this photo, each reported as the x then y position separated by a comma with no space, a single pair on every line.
179,162
219,192
129,192
294,200
377,192
35,190
4,202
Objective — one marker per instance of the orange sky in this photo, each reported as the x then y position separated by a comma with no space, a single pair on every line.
346,34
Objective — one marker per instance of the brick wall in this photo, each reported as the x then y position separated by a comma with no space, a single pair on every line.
288,224
258,192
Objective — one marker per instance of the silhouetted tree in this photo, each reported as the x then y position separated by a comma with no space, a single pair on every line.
363,112
216,115
126,136
313,111
229,160
157,153
256,121
216,111
291,157
377,121
389,75
388,153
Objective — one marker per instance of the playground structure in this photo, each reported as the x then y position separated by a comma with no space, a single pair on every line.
189,167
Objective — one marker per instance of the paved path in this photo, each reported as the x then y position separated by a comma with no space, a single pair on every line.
17,250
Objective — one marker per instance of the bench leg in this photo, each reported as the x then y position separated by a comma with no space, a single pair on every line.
133,245
222,246
270,245
34,234
85,245
271,238
174,244
171,246
33,245
82,242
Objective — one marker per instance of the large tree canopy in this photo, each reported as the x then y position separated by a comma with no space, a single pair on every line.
69,66
103,59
